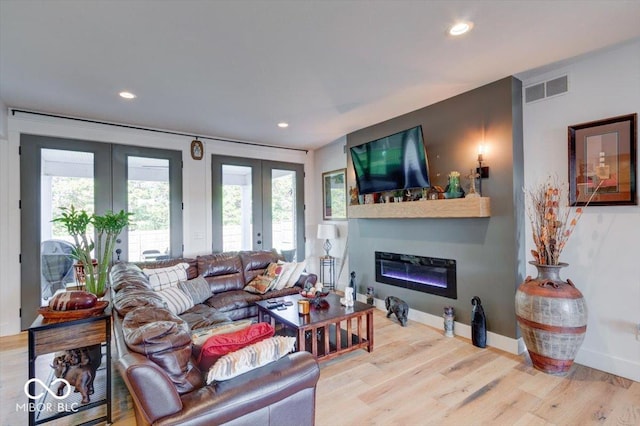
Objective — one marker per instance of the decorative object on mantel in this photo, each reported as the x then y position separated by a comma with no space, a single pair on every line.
399,307
107,228
448,321
472,187
478,324
551,313
454,190
353,196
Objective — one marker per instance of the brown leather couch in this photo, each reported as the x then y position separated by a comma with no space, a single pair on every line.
279,393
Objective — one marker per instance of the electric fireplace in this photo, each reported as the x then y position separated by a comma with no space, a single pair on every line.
426,274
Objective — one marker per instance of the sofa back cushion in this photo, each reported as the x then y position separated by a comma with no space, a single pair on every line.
192,270
222,271
256,262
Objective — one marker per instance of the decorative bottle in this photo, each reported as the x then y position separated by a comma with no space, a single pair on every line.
478,324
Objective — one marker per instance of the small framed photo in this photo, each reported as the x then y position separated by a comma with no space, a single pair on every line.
334,195
602,162
197,150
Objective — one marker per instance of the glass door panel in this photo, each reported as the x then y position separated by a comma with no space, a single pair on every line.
148,183
257,205
148,197
237,217
283,212
66,179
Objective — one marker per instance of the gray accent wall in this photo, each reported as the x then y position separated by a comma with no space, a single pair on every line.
489,251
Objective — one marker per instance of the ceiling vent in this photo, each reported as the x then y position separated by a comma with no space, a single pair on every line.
546,89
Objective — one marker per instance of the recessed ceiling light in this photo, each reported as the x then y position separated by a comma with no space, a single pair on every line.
283,125
127,95
460,28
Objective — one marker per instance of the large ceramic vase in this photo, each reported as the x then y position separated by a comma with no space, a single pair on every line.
552,315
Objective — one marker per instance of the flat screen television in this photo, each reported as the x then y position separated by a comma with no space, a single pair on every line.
398,161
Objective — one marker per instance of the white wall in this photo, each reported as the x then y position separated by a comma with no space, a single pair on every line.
196,176
603,252
328,158
3,120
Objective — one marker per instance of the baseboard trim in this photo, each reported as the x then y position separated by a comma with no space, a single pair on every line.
614,365
498,341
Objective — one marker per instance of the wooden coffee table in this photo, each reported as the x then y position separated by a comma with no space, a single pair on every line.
326,333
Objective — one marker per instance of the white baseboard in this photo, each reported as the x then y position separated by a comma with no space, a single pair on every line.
507,344
614,365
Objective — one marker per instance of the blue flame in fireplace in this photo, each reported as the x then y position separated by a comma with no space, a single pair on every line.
431,276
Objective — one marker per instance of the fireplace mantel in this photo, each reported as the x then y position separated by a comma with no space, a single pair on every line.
453,208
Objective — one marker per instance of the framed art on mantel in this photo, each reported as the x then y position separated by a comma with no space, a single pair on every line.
334,195
602,162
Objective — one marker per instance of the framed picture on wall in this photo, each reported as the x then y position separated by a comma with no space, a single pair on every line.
334,195
602,162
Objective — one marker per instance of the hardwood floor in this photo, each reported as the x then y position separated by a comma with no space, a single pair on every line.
414,376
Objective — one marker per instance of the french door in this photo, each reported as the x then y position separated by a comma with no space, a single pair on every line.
95,177
258,205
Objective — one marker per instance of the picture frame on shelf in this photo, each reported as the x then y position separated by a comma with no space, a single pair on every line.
602,162
334,195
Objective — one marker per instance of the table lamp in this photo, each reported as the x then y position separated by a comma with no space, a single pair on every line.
327,232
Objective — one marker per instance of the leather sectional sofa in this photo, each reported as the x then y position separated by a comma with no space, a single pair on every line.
279,393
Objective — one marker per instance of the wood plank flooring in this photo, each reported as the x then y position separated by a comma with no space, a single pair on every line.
414,376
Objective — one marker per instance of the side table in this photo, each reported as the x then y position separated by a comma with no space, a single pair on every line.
328,280
50,336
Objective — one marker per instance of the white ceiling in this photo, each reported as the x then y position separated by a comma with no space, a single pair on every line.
234,69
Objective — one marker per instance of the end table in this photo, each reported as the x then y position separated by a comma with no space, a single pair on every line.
49,336
328,280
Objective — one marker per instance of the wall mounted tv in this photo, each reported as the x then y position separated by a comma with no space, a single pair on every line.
394,162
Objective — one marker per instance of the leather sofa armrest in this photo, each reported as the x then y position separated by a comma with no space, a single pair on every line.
266,386
307,278
153,392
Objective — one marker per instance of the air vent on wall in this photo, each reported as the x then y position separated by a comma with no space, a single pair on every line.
546,89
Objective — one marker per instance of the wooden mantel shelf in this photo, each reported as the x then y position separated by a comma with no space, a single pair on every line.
454,208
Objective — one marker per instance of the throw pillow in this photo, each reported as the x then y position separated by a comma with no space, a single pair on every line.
293,279
198,288
249,358
259,285
161,278
201,335
272,270
177,300
221,344
285,275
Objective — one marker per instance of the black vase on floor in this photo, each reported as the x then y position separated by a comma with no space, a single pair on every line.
478,324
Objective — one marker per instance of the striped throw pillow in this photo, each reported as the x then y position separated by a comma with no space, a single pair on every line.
177,300
250,357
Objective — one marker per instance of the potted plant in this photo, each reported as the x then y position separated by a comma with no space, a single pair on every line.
107,228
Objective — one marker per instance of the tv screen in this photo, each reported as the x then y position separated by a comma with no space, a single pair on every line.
394,162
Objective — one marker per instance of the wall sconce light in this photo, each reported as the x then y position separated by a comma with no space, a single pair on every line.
483,171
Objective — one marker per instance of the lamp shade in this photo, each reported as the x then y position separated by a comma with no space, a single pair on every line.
327,231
